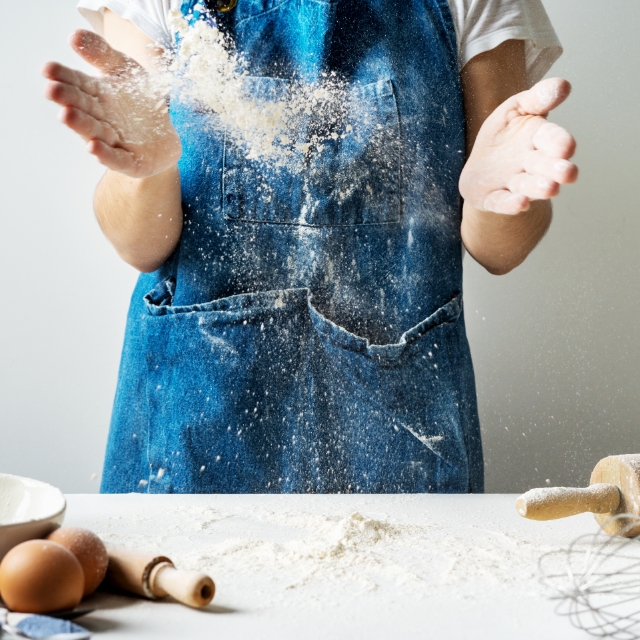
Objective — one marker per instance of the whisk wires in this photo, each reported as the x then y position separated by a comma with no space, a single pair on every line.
597,582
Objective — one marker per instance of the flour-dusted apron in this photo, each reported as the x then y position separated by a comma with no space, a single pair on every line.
312,341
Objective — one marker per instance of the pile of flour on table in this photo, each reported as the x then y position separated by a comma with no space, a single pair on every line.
295,558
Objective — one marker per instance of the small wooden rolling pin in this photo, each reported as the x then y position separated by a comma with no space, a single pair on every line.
156,577
614,489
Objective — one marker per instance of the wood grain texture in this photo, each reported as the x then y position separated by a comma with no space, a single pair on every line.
624,472
130,570
193,588
155,577
560,502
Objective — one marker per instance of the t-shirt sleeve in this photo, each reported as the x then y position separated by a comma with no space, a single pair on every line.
150,16
482,25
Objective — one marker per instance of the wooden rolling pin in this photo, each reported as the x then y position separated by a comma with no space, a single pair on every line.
614,489
156,577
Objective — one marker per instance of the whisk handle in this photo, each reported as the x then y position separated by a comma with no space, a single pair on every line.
560,502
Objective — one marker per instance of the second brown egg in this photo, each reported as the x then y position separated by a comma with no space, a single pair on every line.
90,551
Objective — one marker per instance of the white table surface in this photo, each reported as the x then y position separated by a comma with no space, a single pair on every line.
462,566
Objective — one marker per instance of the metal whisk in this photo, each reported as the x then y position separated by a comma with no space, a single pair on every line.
597,581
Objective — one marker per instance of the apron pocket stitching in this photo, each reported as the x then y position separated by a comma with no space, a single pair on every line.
243,305
260,14
388,355
372,194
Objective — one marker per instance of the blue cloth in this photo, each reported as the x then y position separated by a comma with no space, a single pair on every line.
313,341
37,626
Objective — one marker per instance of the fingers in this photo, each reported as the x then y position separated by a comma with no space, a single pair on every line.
113,158
533,187
540,180
543,97
554,140
542,176
503,201
539,163
59,73
87,126
67,95
525,187
97,52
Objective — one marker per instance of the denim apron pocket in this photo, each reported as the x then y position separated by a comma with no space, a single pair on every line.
259,392
399,405
353,179
219,418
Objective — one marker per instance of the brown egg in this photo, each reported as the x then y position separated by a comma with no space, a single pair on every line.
39,576
90,551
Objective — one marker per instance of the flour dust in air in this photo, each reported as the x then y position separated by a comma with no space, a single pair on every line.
275,121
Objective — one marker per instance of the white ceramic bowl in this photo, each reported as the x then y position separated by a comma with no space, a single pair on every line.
29,509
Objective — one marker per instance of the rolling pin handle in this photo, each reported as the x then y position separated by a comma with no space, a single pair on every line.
560,502
192,588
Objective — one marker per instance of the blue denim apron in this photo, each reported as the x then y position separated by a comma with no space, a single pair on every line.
313,341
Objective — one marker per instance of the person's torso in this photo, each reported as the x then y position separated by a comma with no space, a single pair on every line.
371,224
308,335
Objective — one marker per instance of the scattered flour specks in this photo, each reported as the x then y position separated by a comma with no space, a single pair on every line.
298,558
266,116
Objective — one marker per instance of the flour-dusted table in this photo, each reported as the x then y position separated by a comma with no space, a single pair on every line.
339,566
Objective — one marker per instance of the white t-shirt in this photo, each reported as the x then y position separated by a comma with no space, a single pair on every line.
481,25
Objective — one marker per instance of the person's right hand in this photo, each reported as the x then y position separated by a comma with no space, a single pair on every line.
126,125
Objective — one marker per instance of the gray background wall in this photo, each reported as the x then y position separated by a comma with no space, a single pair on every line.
556,343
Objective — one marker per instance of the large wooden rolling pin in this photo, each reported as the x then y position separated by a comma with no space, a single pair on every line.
614,489
156,577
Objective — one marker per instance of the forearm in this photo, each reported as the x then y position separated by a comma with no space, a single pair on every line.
142,218
501,242
516,160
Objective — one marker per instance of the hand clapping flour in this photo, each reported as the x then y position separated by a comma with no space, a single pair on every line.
324,133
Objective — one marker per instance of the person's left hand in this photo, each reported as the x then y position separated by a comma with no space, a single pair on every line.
518,156
121,115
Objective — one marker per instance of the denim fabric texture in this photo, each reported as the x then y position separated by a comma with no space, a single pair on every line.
313,341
